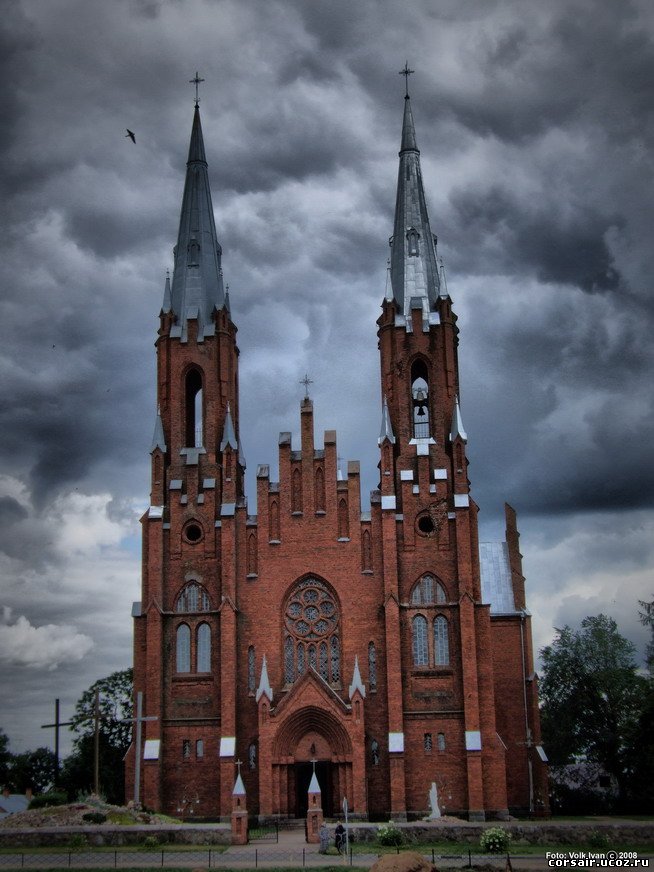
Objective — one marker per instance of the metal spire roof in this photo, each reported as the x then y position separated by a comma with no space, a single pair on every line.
414,268
264,683
158,438
314,785
457,424
167,303
386,431
239,787
197,286
357,683
229,437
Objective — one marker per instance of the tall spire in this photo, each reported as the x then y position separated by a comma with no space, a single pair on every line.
414,268
197,286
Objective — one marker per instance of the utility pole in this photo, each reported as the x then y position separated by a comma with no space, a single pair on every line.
56,726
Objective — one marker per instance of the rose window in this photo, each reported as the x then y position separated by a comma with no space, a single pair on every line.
311,638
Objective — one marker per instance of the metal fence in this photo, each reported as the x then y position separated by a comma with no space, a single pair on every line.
246,858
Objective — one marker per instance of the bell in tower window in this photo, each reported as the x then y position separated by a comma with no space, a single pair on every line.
420,400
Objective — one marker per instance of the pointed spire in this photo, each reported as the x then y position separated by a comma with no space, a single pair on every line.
264,683
158,438
229,437
197,286
457,424
167,304
239,787
386,431
357,683
414,269
314,786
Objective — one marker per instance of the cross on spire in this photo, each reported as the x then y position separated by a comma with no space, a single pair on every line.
306,381
196,81
406,72
238,763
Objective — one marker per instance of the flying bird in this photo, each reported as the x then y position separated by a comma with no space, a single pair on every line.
131,135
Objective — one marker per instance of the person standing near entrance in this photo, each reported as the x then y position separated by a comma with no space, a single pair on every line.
324,838
339,837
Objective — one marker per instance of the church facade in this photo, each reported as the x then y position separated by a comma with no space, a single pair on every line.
388,646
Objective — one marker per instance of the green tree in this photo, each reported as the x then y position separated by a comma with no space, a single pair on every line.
592,697
647,618
115,736
5,758
32,769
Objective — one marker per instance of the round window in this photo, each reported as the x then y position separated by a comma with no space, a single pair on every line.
426,525
193,533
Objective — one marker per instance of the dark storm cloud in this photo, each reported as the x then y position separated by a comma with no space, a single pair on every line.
568,248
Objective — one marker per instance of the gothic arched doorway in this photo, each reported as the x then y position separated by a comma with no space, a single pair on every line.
308,735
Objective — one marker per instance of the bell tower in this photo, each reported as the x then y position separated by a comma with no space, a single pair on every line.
185,626
434,615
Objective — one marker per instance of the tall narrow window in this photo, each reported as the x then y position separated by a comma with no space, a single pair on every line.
324,665
183,649
296,491
366,551
274,521
300,659
441,641
336,659
320,490
420,399
252,679
440,742
252,554
374,752
186,749
204,648
343,521
252,756
420,648
372,666
199,749
312,657
193,410
426,741
289,665
412,239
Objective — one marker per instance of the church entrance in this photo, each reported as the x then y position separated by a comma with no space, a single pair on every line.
302,779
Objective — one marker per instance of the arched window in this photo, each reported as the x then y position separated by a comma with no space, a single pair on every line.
412,239
366,551
274,521
204,648
440,741
252,554
374,752
252,756
193,598
441,642
183,649
311,637
372,666
199,748
320,490
420,399
343,521
428,592
296,491
420,648
193,408
252,679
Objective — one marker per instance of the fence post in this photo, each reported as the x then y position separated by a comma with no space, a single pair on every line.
277,832
69,859
469,859
115,859
303,857
162,858
256,858
433,858
350,855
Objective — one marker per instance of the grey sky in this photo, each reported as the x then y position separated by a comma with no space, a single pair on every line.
535,127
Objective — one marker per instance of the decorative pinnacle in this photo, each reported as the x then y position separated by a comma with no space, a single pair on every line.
306,381
406,72
196,81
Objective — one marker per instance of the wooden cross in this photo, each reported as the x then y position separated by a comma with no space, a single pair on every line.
56,726
196,81
306,381
406,72
138,720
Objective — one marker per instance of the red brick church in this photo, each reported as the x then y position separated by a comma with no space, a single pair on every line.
389,645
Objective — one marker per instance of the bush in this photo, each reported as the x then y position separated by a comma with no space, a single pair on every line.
495,840
77,842
53,797
598,841
389,835
94,817
150,842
